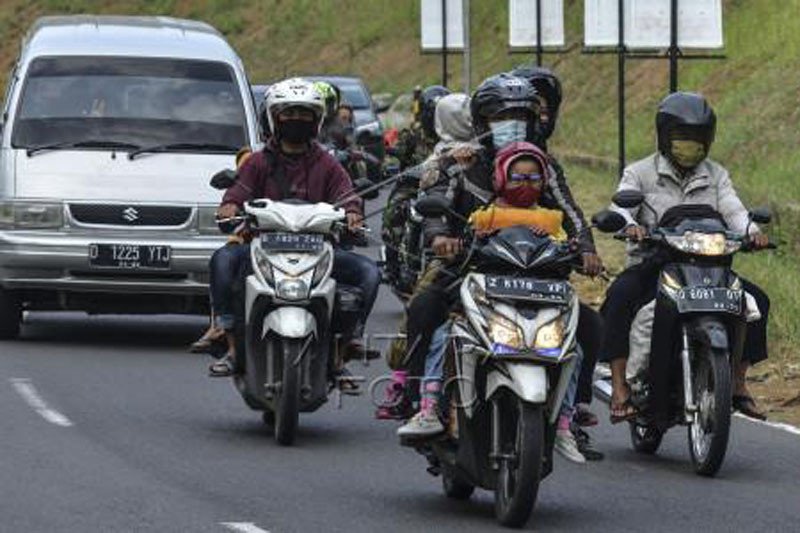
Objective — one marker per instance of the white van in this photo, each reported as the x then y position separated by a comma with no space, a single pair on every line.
111,129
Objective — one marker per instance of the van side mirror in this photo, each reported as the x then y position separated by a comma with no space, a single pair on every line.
761,215
224,179
628,198
609,221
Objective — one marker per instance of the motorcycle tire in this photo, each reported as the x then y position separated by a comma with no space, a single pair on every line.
287,410
518,480
712,395
455,488
10,316
645,439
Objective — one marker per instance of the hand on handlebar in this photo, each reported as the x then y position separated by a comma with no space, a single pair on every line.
759,241
592,264
227,211
635,233
355,222
447,247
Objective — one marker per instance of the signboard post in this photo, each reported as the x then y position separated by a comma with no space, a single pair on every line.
638,29
442,24
534,25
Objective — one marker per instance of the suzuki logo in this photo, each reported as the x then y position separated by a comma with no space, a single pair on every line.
130,214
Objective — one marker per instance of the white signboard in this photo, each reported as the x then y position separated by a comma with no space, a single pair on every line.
431,18
647,23
522,23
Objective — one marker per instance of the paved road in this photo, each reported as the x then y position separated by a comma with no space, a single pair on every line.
109,425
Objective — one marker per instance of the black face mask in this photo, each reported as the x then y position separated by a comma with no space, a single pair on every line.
297,131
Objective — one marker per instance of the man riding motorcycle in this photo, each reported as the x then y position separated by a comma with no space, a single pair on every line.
293,166
678,173
504,110
416,143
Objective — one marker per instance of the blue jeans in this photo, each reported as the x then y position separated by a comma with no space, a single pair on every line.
231,264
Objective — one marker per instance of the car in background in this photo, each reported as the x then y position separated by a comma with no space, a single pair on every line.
111,129
369,131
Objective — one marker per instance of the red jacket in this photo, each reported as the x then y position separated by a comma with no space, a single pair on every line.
314,176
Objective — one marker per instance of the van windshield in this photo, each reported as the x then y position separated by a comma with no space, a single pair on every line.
135,101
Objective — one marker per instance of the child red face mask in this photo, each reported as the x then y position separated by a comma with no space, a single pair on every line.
515,188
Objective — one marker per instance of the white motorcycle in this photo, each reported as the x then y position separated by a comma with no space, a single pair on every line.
294,311
514,350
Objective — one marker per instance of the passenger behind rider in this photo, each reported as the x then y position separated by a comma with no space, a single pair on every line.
680,172
292,165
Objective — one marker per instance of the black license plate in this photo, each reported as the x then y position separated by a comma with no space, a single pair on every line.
553,291
292,242
709,299
130,256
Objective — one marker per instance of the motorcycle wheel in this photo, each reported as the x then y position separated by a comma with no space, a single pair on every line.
455,488
645,439
523,430
709,431
287,410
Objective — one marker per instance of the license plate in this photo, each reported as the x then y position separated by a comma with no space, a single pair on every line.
529,289
130,256
292,242
709,299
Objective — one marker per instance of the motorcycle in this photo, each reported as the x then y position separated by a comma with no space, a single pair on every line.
698,329
513,349
293,310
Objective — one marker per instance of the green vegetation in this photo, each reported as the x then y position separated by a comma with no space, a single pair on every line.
755,91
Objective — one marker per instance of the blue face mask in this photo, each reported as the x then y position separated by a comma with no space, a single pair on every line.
505,132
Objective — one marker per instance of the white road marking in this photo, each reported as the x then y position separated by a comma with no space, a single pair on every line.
777,425
26,389
243,527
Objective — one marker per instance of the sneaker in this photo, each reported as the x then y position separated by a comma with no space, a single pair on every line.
585,445
566,445
423,424
396,405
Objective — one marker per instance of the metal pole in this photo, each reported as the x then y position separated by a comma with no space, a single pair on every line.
673,46
444,43
467,52
621,50
539,33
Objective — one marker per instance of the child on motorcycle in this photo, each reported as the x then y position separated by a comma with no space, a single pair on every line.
520,174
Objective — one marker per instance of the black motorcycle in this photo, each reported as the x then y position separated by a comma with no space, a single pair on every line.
698,330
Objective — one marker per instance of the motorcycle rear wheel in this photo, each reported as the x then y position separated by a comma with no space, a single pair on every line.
287,410
708,433
518,478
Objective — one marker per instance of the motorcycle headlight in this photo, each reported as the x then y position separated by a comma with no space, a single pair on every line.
31,215
321,269
709,244
264,266
550,336
207,220
504,332
292,289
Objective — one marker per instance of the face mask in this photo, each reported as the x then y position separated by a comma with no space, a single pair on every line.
687,154
505,132
521,196
297,131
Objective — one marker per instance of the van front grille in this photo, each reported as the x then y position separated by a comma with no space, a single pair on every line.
130,214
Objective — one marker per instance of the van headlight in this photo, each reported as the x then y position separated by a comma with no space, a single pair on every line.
292,289
31,215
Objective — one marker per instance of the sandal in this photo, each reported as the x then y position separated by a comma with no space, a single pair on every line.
347,382
222,368
746,405
212,343
624,411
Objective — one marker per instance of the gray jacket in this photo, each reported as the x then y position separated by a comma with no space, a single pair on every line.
708,183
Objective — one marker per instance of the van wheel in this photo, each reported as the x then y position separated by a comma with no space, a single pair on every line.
10,315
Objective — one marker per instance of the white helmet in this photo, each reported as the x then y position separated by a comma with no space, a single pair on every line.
294,92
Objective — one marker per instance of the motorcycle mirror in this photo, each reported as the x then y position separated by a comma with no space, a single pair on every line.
362,184
628,198
609,221
224,179
432,206
761,215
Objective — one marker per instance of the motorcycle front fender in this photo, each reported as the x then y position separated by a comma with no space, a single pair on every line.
527,381
710,332
290,322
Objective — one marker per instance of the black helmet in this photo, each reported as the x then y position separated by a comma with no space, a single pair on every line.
688,114
428,99
547,85
502,92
